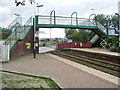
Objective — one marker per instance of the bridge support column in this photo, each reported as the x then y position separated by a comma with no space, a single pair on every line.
36,33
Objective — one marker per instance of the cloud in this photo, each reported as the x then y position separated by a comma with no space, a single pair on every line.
62,7
4,16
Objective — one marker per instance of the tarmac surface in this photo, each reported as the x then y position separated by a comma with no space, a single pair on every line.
66,75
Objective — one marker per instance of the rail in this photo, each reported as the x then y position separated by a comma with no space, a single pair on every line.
59,20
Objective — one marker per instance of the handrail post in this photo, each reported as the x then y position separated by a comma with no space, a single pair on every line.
95,18
76,18
53,11
36,20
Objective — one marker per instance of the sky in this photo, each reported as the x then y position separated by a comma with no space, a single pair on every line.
62,7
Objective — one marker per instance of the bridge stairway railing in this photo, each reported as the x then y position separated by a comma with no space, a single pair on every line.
13,28
107,32
59,20
26,27
18,32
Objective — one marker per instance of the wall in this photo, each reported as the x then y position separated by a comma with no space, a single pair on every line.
20,46
74,44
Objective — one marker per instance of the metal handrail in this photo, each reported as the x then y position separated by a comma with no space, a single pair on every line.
72,17
14,33
15,20
51,17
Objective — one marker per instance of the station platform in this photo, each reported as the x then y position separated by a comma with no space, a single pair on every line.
46,49
65,73
98,51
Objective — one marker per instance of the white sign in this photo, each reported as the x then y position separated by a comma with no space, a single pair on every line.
36,44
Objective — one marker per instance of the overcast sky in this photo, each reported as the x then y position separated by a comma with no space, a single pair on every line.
62,7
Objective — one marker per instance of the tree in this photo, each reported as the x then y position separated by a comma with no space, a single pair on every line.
4,33
109,21
70,33
78,35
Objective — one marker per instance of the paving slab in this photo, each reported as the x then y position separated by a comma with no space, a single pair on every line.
64,74
95,72
45,49
98,50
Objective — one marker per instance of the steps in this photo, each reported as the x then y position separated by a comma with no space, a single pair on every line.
18,32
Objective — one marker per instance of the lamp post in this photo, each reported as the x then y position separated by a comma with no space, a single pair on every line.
93,11
118,30
35,37
38,8
17,14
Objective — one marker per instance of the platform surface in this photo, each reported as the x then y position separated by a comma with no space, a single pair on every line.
46,49
66,75
98,50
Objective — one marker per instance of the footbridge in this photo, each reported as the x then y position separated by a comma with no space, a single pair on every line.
20,32
54,21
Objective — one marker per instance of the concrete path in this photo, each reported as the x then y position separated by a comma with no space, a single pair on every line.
46,49
64,74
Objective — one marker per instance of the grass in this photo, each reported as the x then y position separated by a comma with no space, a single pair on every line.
51,83
21,82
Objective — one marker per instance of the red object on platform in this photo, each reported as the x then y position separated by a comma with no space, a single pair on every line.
74,44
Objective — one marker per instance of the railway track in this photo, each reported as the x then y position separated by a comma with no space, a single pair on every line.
102,65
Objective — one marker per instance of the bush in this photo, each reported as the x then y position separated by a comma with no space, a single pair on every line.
112,43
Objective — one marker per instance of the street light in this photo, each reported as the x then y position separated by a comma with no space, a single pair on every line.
17,14
93,11
20,22
118,30
38,8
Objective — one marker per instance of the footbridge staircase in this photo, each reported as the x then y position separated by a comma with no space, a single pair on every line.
17,33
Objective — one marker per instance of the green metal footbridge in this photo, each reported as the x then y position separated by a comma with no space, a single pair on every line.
19,31
53,21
